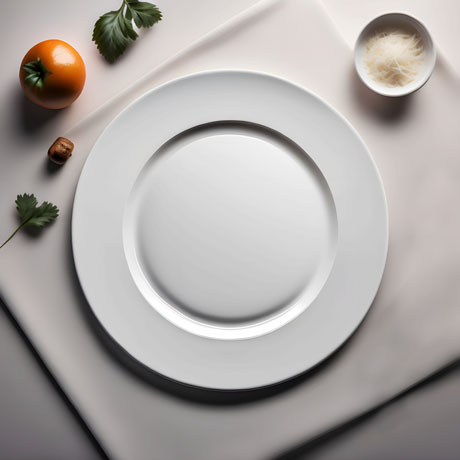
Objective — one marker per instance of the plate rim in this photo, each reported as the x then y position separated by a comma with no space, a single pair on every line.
299,88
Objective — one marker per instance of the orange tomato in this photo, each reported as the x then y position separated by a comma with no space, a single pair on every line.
52,74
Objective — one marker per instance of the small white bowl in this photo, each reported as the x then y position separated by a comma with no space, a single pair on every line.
399,21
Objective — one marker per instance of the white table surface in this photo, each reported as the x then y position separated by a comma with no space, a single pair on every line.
24,128
422,425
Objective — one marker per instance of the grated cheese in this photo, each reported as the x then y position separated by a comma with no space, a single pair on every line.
394,57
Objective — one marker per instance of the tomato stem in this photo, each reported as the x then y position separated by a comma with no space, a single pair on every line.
36,73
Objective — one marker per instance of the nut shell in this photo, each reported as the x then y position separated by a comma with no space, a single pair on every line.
60,151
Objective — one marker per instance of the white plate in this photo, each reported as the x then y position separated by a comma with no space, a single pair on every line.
229,230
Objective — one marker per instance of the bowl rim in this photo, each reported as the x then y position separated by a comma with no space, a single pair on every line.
381,90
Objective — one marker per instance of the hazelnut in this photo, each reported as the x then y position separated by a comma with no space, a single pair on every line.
60,151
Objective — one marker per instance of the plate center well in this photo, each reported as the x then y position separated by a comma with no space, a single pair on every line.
230,230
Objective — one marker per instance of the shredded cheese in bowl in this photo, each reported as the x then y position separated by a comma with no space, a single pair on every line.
394,57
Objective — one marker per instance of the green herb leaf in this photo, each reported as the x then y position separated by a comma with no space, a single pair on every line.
43,215
26,205
32,215
114,31
144,14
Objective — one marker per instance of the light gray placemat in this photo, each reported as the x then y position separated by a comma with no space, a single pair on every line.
420,425
27,397
411,330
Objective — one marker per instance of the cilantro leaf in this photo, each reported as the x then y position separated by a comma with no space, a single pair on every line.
112,34
32,215
26,205
114,31
144,14
43,215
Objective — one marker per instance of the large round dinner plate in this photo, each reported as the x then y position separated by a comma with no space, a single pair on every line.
229,230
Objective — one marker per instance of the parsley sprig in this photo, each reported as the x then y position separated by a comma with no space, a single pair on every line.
32,215
114,31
